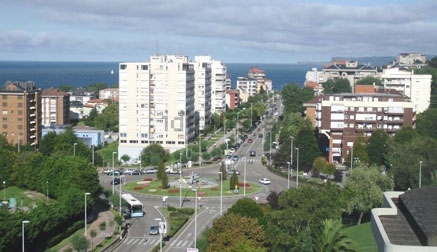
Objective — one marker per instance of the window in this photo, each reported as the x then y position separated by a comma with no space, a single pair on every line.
144,67
123,67
4,104
20,104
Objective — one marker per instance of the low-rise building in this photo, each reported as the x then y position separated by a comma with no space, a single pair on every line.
55,107
346,116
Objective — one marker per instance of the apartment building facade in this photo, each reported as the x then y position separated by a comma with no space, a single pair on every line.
21,113
415,86
247,87
342,118
202,83
218,83
55,107
157,104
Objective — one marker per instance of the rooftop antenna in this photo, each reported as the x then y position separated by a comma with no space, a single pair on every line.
157,48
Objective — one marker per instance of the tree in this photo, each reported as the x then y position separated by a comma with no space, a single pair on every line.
330,237
249,208
364,189
223,170
294,97
272,200
233,181
153,154
125,158
377,147
369,80
80,242
427,123
337,86
306,141
225,235
93,234
298,210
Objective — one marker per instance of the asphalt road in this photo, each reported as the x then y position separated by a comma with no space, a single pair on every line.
138,238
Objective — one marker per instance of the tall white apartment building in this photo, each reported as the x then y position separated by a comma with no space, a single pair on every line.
202,83
416,86
218,83
156,104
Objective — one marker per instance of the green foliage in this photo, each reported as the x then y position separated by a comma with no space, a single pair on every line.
298,209
223,171
125,158
336,86
320,164
377,147
108,119
369,80
364,189
306,141
233,181
153,154
330,237
294,97
427,123
80,242
90,120
249,208
225,235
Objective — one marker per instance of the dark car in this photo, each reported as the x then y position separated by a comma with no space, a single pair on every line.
154,230
135,172
252,153
116,181
260,135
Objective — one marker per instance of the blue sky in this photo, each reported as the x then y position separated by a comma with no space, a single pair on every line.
273,31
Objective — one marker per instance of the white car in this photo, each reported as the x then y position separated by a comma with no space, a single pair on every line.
264,181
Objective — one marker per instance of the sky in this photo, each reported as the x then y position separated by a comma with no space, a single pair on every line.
233,31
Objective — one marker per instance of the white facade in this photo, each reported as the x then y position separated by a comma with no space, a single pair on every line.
247,87
156,104
202,83
415,86
218,83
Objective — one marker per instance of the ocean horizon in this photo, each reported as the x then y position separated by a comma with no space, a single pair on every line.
53,74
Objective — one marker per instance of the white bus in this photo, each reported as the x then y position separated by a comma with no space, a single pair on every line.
134,207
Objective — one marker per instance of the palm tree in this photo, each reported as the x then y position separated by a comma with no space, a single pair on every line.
93,234
330,237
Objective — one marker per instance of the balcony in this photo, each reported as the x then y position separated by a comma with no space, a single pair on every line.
32,122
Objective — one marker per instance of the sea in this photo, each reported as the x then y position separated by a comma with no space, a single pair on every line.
50,74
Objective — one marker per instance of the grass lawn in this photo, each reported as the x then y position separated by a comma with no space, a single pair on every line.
25,198
154,187
363,237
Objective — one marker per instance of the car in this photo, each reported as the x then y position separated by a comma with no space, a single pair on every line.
250,140
264,181
260,135
135,172
252,153
232,171
235,158
152,170
115,181
154,230
116,173
128,171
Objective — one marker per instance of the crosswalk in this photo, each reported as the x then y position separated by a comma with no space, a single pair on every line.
141,241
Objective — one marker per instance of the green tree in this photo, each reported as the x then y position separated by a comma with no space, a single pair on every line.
223,170
364,189
125,158
233,181
298,210
249,208
369,80
377,147
306,141
80,242
93,234
294,97
153,154
90,120
108,119
427,123
337,86
225,235
330,237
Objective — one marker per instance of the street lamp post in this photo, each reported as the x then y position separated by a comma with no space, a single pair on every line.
87,193
420,174
244,178
47,187
180,180
352,157
113,172
288,175
291,157
221,192
74,149
4,190
251,115
195,220
200,151
22,231
297,167
119,196
93,152
270,157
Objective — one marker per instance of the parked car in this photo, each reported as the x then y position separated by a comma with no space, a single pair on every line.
128,171
154,230
152,170
135,172
235,158
260,135
252,153
116,173
250,140
264,181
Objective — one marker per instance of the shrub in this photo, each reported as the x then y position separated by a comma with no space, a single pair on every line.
173,190
201,194
147,179
213,188
138,188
